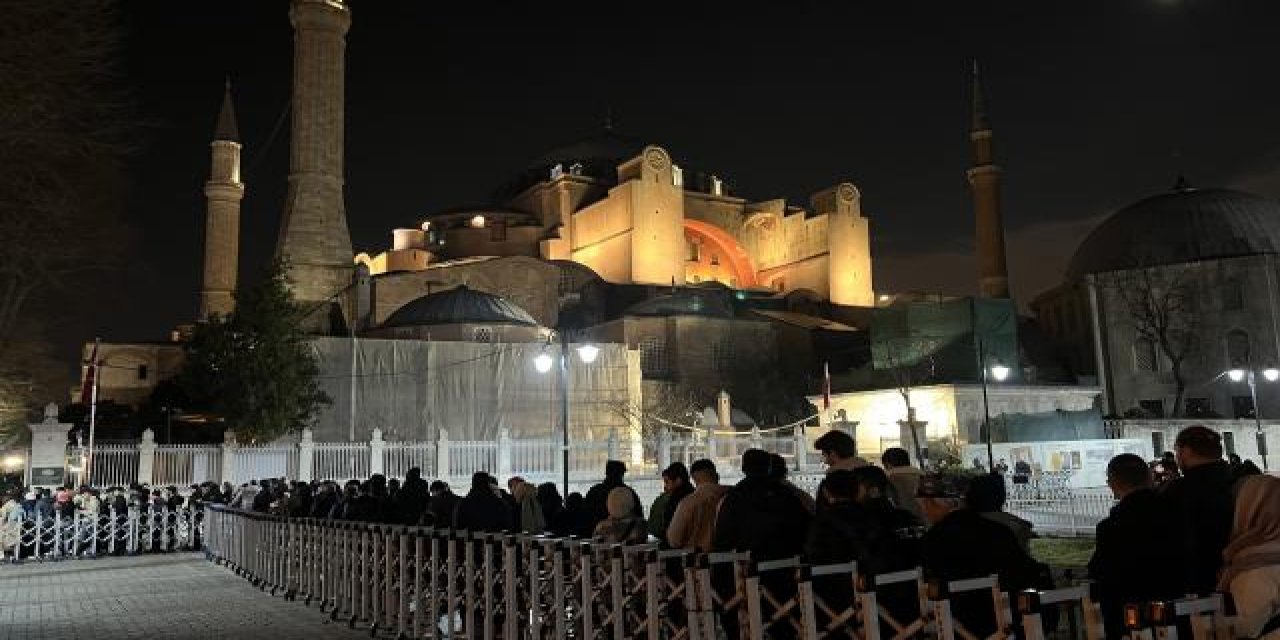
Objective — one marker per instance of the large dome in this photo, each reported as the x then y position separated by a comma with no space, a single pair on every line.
1184,225
460,305
597,156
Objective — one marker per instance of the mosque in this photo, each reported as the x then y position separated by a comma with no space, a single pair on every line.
683,285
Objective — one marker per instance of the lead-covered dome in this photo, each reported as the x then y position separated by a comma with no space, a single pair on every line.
460,305
1184,225
596,156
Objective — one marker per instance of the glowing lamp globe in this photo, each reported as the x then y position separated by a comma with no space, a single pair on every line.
999,372
543,363
1236,375
588,353
1271,374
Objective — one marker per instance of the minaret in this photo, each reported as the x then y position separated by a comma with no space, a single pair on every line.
313,232
223,192
984,180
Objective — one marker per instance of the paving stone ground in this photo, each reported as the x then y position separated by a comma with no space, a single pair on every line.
159,596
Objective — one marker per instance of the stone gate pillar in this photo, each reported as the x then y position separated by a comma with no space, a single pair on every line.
49,449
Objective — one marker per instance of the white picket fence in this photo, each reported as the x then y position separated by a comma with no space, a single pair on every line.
536,459
1048,501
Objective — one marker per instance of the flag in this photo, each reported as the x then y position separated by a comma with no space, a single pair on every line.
826,387
90,378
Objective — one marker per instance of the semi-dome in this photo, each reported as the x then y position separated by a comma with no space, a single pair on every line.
460,305
1184,225
686,302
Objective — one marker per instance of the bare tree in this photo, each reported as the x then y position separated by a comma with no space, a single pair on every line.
910,362
661,405
1159,303
62,123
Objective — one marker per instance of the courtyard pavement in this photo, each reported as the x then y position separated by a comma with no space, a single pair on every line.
157,596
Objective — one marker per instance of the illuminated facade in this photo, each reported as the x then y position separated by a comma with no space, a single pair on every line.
628,213
951,413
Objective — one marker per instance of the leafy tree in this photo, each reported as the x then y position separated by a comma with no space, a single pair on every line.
254,369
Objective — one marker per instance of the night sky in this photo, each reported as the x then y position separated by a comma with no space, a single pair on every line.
1094,105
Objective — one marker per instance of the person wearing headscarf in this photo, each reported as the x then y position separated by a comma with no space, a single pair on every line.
1251,560
528,507
622,526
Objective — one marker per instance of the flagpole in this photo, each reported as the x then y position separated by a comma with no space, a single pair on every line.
93,415
826,394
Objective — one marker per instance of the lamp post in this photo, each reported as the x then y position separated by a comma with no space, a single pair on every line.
543,363
1271,374
1000,372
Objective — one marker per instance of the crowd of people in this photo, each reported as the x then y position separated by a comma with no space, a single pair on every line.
1193,524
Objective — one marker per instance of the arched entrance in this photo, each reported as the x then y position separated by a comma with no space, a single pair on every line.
714,255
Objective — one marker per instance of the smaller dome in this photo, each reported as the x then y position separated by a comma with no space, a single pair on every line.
712,302
459,305
1180,226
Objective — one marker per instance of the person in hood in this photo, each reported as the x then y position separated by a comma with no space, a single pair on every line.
622,526
598,496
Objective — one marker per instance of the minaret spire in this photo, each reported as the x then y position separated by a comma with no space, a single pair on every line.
227,129
984,182
979,108
223,193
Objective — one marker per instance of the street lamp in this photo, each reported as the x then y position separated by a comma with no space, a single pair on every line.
1271,374
1000,372
543,362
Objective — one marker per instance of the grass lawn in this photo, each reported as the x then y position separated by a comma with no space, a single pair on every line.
1062,552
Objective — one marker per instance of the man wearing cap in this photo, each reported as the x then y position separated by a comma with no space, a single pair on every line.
961,544
1200,502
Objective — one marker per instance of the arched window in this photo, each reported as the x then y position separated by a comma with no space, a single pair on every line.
1237,348
653,358
1232,295
1144,355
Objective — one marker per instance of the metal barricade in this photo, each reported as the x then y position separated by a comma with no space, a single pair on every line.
1206,619
1032,604
940,594
86,534
444,584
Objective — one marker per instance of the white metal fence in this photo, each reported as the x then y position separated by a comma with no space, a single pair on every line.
1047,500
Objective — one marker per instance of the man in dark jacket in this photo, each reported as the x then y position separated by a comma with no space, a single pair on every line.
961,544
443,502
1135,557
761,516
598,496
1200,505
411,499
482,509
